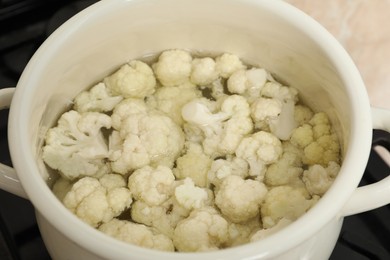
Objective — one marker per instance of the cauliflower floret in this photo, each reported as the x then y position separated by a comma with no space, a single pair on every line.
276,109
288,169
128,106
173,67
318,179
259,149
264,110
302,114
112,181
96,99
135,79
76,146
240,233
227,64
203,230
239,199
321,125
320,145
170,100
221,168
239,124
95,203
324,150
263,233
302,136
284,124
148,139
218,90
247,82
203,71
192,133
118,196
277,91
284,202
152,185
199,113
193,164
224,130
190,196
137,234
163,217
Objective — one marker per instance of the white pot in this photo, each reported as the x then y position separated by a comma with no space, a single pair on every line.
271,34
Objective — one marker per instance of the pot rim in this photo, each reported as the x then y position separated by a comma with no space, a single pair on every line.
327,208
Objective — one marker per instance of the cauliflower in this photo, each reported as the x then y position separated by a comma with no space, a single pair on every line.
320,145
324,150
217,89
137,234
318,179
247,82
163,218
128,106
173,67
275,109
97,99
223,131
190,196
98,201
277,91
240,233
263,233
285,123
194,163
135,79
203,71
148,139
264,111
237,126
227,64
239,199
152,185
198,112
192,133
321,125
288,169
259,149
203,230
302,136
170,100
221,168
200,153
76,146
284,202
302,114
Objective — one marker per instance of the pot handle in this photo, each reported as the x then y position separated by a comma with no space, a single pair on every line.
9,180
374,195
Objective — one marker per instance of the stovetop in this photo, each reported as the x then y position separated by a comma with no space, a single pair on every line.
24,25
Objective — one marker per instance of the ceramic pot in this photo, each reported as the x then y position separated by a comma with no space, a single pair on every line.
270,34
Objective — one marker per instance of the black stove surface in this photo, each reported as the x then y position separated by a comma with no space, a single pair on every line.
24,25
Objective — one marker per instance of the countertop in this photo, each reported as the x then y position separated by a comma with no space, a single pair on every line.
361,26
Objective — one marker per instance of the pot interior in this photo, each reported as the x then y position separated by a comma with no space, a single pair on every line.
76,57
